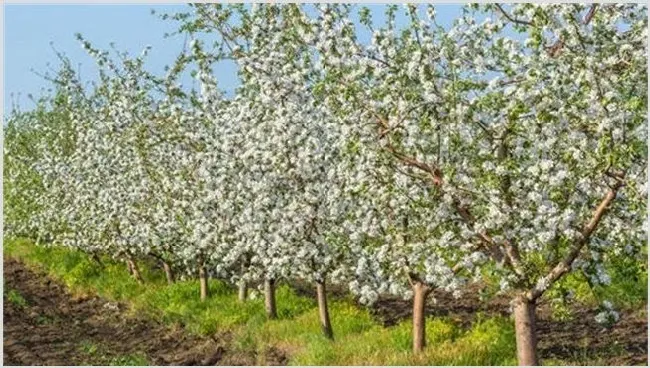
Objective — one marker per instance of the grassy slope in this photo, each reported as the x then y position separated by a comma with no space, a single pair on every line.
359,339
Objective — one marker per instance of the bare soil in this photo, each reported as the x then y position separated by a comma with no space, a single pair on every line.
57,328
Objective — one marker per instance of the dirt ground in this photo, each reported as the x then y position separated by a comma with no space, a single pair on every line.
52,327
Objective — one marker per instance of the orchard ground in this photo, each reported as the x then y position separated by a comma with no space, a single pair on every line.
76,311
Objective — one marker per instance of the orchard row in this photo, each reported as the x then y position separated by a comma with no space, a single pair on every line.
509,145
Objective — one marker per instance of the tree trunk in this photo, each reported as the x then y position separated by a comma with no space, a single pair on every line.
420,292
525,331
323,312
133,269
97,259
269,299
243,291
168,272
129,267
203,281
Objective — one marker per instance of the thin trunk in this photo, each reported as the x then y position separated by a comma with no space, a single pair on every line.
525,331
243,291
203,281
168,272
269,299
129,267
97,259
133,269
420,292
323,312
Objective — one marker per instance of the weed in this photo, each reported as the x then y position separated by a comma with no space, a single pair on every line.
129,360
14,297
88,347
43,319
98,355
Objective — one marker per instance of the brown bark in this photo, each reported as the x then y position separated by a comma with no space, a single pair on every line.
420,292
133,269
203,281
243,291
129,267
525,331
168,272
323,312
269,299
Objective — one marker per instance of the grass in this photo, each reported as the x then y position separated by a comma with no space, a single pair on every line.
44,319
97,355
129,360
359,339
88,347
14,297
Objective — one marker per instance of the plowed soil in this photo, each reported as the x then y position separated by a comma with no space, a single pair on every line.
54,327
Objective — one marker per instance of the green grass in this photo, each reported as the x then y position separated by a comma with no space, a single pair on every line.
129,360
14,297
98,355
88,347
359,339
44,319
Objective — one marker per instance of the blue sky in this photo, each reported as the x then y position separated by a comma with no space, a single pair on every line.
29,30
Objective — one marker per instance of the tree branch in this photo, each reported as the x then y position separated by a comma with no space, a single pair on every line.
555,49
565,265
437,180
590,14
513,19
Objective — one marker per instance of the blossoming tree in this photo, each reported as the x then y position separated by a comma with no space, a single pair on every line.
536,139
512,142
